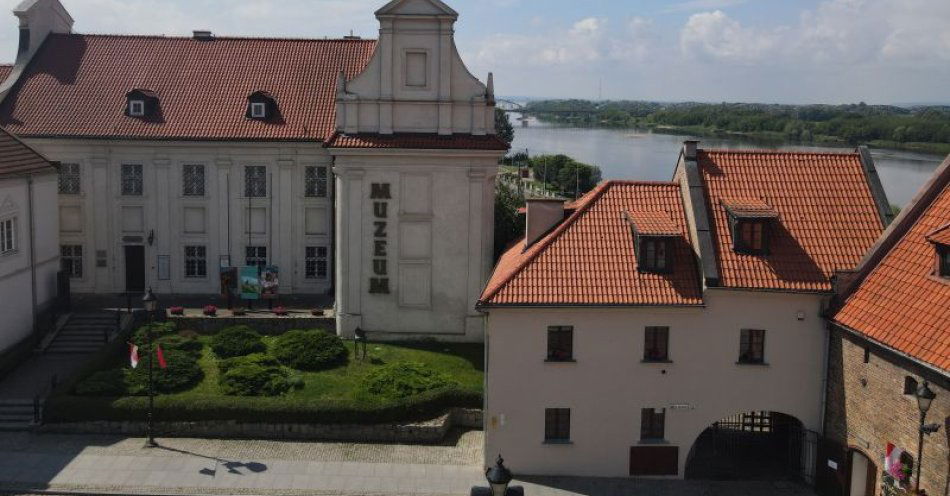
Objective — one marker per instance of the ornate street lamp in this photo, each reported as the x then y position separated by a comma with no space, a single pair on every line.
150,302
498,479
925,396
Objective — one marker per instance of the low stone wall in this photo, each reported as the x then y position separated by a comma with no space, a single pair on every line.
428,432
265,325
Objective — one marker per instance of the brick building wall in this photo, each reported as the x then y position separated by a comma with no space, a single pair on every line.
866,407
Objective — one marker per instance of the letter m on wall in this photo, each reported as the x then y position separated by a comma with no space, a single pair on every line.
380,191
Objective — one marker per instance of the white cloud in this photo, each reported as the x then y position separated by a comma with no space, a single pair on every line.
716,35
694,5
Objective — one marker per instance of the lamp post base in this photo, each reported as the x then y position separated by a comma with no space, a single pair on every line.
486,491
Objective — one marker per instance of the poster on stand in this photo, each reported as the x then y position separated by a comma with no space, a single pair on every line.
250,283
270,282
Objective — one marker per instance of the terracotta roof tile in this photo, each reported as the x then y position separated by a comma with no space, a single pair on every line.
419,141
17,157
940,236
749,208
654,223
898,300
828,218
76,86
589,258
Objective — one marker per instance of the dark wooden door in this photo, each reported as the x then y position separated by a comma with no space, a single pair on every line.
135,269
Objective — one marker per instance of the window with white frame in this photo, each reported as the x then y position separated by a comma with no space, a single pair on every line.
255,181
70,260
255,256
8,236
258,110
316,262
193,180
69,179
315,182
196,262
137,108
132,180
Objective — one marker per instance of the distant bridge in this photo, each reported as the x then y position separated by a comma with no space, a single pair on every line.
517,108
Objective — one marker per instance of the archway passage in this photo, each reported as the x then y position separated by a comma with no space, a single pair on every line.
753,446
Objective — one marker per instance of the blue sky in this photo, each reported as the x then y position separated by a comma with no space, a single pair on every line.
797,51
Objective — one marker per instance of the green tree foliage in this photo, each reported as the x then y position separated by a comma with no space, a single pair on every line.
503,127
310,350
570,177
509,224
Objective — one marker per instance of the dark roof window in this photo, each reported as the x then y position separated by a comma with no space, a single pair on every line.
654,234
941,241
141,103
261,105
750,222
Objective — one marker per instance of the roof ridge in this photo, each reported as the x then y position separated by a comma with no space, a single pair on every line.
216,38
634,182
541,245
774,151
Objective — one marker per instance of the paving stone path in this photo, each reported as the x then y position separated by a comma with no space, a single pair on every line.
31,464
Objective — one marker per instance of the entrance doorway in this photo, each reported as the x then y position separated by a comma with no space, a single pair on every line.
135,269
863,475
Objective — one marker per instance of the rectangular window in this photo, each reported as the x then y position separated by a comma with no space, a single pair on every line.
417,69
196,262
193,180
136,108
560,343
7,236
256,256
557,425
258,110
132,180
255,181
750,236
752,346
70,260
316,263
655,254
656,343
69,179
315,182
652,424
944,253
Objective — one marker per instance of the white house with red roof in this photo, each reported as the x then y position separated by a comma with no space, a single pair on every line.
644,326
359,168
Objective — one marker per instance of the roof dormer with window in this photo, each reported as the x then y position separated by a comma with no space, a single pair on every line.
141,103
941,242
261,106
654,236
750,223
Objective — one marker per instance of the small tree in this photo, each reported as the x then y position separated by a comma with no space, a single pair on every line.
503,127
509,225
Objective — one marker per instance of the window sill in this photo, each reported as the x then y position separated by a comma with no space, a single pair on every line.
549,360
558,441
653,442
656,361
754,364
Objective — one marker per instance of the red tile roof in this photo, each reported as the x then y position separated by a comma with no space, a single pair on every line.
749,208
589,259
940,236
654,223
828,215
896,299
76,86
419,141
17,157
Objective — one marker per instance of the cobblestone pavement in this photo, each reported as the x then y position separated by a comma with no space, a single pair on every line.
33,464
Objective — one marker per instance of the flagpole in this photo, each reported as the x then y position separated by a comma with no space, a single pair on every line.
150,302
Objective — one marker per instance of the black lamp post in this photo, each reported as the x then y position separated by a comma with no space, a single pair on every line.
150,302
498,479
925,397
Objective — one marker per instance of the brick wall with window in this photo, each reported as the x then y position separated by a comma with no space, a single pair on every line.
867,407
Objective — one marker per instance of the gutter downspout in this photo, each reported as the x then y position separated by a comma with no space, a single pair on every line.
29,201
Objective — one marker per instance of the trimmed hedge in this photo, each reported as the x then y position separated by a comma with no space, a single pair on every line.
183,373
312,350
70,408
237,341
103,383
253,375
405,379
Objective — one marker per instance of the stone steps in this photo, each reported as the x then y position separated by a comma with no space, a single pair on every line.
82,334
16,415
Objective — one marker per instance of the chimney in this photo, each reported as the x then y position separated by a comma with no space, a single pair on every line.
39,18
543,214
689,149
199,35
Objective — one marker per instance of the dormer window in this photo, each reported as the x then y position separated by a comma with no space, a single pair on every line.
750,222
654,235
141,103
941,241
261,106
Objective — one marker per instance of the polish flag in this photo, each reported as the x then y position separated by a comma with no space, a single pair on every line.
892,462
134,355
161,357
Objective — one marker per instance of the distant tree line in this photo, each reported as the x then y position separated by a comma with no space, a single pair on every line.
880,125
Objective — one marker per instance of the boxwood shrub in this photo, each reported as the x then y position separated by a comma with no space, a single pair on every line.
252,379
103,383
311,350
405,379
183,373
237,341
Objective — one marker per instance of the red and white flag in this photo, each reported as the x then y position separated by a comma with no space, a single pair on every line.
134,355
892,462
161,357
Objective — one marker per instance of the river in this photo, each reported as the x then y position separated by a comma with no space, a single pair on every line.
643,155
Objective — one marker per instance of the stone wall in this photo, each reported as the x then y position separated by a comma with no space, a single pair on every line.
428,432
269,325
866,408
